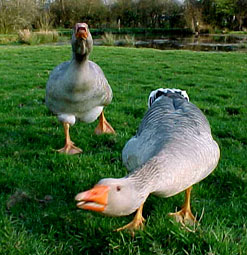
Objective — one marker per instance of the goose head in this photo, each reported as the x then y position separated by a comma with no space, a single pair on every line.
112,197
82,41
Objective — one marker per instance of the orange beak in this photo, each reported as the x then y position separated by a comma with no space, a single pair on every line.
81,31
94,199
81,34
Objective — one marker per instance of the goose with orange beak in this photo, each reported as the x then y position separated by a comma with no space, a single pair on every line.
172,150
78,89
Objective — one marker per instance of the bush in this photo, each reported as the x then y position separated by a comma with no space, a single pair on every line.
8,39
24,36
129,40
109,39
32,38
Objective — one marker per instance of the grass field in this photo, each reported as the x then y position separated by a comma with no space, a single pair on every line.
38,214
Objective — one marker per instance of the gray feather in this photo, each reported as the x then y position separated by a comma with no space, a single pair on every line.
173,147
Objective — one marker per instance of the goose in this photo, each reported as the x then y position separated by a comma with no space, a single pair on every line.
78,89
172,150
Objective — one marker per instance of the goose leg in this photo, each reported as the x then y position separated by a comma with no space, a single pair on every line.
136,223
185,216
69,147
103,127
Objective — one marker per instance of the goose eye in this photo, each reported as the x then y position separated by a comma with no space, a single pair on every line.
118,188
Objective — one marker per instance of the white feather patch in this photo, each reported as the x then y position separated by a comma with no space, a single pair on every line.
69,118
152,97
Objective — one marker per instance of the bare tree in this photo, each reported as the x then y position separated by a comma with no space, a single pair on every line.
241,12
193,14
16,14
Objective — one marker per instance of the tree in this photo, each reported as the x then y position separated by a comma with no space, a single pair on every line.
193,14
124,13
17,14
158,13
69,12
241,12
225,13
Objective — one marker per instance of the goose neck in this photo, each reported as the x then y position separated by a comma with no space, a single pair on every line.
81,59
144,180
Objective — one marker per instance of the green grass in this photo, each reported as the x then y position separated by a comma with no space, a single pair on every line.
238,32
30,169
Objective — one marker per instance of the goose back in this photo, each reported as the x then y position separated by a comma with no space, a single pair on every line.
173,140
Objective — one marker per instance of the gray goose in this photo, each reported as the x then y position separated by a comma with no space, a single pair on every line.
78,89
172,150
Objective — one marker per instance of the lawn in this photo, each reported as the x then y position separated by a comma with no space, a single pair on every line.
38,214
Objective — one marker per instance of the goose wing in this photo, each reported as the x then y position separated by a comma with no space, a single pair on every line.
54,90
101,87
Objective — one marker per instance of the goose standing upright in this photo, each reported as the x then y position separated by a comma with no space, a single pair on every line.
78,89
172,150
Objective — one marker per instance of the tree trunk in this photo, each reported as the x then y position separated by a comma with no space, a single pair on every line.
240,23
62,6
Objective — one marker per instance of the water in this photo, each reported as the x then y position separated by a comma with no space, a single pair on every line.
209,42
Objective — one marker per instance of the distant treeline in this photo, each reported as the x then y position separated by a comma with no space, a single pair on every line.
197,15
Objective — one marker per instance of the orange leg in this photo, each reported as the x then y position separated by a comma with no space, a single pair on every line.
185,216
136,223
69,147
103,127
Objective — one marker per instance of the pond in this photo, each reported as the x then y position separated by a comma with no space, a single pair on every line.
202,42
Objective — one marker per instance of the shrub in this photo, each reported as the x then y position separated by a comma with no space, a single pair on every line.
8,39
129,40
109,39
45,36
40,37
24,36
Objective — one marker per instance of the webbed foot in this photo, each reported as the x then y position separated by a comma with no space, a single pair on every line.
104,127
136,224
70,149
185,217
